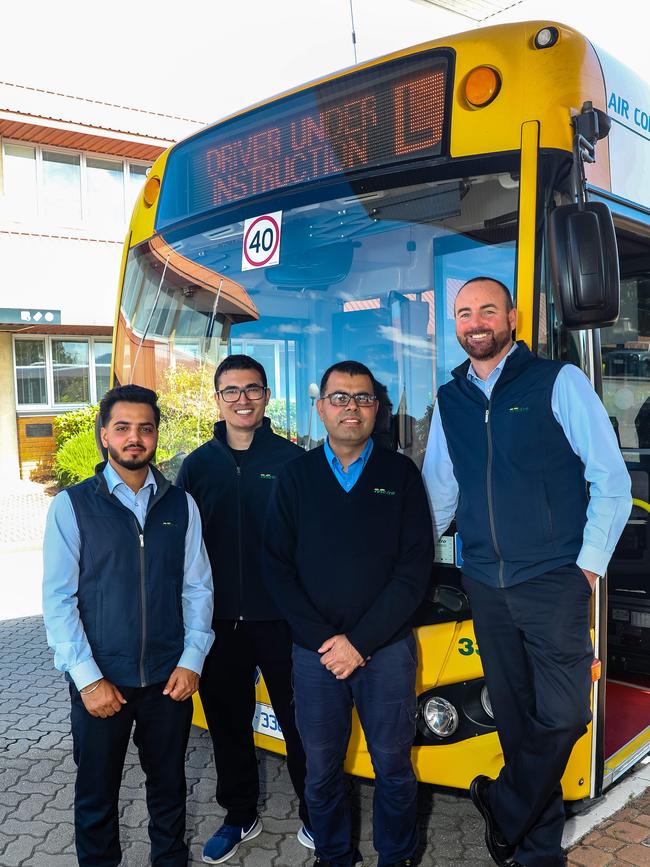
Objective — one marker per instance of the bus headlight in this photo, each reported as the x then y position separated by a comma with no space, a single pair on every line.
486,704
440,716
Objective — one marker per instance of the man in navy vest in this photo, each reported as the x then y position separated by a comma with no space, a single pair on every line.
348,555
127,603
514,441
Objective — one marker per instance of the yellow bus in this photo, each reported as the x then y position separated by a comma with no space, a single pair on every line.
339,220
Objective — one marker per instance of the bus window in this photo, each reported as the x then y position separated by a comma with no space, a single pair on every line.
626,395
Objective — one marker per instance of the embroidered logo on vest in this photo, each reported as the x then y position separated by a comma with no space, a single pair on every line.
384,492
267,476
518,408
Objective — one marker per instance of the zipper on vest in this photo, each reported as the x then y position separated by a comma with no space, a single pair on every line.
489,493
143,606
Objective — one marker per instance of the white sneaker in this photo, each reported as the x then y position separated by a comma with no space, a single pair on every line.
306,838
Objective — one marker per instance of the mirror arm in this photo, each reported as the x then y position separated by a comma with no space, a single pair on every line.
590,126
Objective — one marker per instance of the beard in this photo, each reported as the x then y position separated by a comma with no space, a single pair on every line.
489,348
131,462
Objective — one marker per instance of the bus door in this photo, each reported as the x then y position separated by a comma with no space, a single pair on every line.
625,349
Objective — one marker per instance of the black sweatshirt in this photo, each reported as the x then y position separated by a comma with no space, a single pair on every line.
232,501
354,563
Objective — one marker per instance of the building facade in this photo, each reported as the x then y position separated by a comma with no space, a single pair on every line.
70,171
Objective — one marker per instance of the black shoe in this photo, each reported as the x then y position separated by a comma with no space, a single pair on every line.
500,850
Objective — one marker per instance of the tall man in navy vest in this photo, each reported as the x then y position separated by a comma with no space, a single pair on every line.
514,439
349,551
127,602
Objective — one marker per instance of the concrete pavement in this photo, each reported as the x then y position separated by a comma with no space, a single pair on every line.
37,771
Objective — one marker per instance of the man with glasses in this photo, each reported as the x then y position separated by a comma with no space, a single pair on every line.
348,553
231,478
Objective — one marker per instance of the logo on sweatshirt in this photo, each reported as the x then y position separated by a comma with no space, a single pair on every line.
384,492
518,408
267,476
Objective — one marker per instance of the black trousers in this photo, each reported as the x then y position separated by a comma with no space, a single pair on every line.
228,696
537,653
162,728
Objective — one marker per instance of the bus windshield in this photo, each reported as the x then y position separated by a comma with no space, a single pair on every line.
369,276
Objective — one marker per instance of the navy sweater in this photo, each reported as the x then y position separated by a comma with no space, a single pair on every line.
354,563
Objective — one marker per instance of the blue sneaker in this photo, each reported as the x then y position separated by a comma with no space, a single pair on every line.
225,842
306,838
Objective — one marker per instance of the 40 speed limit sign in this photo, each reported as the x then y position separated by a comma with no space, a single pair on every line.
261,241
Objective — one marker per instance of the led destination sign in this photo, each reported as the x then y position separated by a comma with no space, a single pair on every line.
377,117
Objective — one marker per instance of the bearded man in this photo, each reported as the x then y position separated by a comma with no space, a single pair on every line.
514,441
127,604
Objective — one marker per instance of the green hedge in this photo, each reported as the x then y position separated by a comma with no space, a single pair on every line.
75,460
69,424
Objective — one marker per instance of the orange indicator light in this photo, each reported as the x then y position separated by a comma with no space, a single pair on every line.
151,190
482,86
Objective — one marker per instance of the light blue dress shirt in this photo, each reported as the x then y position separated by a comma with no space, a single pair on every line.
348,480
584,420
61,551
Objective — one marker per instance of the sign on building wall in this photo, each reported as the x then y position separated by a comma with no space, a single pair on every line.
29,316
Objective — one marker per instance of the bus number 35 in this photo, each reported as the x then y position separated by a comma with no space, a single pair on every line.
466,647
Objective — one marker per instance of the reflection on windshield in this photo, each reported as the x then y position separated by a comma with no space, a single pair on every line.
372,277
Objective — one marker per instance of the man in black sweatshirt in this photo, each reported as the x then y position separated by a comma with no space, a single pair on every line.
348,554
231,478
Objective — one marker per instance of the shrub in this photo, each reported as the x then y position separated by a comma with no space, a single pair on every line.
75,460
69,424
187,410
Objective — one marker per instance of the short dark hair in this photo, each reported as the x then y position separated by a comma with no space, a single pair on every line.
502,286
239,362
128,394
351,368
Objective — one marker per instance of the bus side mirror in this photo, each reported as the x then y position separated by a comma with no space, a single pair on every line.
584,265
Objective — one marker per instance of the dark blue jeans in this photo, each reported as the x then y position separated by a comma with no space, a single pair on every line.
384,695
537,653
162,728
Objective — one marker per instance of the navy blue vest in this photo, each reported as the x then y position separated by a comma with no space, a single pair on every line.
131,580
523,500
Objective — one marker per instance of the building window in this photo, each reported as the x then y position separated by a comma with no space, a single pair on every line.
19,181
137,177
56,373
102,355
31,382
70,368
68,188
105,202
61,188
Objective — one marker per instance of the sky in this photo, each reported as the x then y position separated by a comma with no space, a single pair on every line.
203,59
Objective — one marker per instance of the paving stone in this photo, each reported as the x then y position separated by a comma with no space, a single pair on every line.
628,831
588,856
18,851
635,854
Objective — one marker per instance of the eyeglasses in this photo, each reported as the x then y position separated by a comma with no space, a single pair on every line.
342,398
231,394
